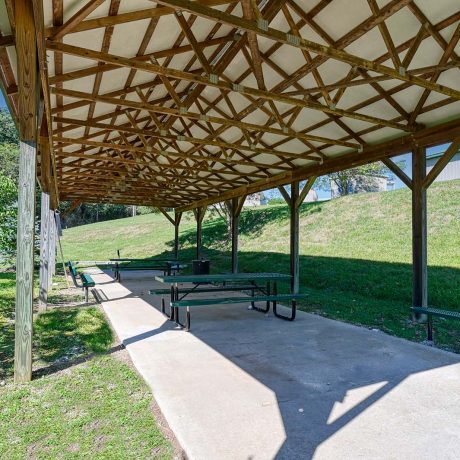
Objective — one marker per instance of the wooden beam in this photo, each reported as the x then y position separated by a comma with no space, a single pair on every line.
427,137
74,205
44,251
306,188
442,163
285,195
76,19
163,211
27,70
160,109
7,40
419,229
226,86
122,18
393,167
302,43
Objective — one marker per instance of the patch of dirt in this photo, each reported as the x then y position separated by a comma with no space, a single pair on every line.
74,447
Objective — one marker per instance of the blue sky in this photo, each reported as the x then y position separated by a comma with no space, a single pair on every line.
2,101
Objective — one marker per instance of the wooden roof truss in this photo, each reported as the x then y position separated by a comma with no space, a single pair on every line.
180,103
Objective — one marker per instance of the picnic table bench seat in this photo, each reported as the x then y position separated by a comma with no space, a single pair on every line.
85,278
188,303
430,312
185,291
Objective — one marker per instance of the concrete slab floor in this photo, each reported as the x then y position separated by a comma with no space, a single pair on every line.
244,385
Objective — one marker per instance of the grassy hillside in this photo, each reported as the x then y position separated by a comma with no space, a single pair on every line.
355,253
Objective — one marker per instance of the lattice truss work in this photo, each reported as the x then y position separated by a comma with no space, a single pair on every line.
178,102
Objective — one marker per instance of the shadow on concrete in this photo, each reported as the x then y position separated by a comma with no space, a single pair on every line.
312,367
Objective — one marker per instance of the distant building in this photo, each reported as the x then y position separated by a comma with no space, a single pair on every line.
363,184
311,197
450,172
256,199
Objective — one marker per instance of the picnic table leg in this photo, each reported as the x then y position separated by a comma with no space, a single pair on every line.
268,293
173,298
86,295
262,310
429,325
293,310
187,323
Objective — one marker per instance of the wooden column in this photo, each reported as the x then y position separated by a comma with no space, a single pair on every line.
294,237
44,251
51,248
27,122
294,201
199,215
177,219
419,229
235,206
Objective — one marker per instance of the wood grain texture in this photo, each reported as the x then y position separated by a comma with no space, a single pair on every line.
44,251
25,263
294,238
27,70
419,229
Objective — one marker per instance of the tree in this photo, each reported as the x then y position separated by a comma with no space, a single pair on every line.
8,216
9,146
362,178
8,131
9,165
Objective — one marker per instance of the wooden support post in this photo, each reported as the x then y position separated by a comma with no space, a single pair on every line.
294,238
419,228
52,249
177,219
25,263
294,202
44,251
235,206
27,122
199,215
234,223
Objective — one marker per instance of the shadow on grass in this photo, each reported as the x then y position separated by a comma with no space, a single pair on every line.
365,292
60,336
251,223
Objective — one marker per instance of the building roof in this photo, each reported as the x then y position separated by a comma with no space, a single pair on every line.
180,103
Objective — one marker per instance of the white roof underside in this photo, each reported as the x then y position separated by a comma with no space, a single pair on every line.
337,19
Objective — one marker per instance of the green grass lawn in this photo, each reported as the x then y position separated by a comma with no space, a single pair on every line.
355,253
84,401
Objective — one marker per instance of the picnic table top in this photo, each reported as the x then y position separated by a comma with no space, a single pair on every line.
222,277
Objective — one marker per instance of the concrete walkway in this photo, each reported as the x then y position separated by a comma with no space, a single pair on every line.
243,385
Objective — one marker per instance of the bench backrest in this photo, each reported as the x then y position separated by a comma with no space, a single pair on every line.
72,269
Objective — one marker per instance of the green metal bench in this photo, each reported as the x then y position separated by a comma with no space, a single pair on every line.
188,303
85,278
430,312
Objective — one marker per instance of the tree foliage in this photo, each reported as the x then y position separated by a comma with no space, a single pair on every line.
8,216
348,181
8,131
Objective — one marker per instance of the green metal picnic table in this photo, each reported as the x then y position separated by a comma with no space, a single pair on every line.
228,281
127,264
